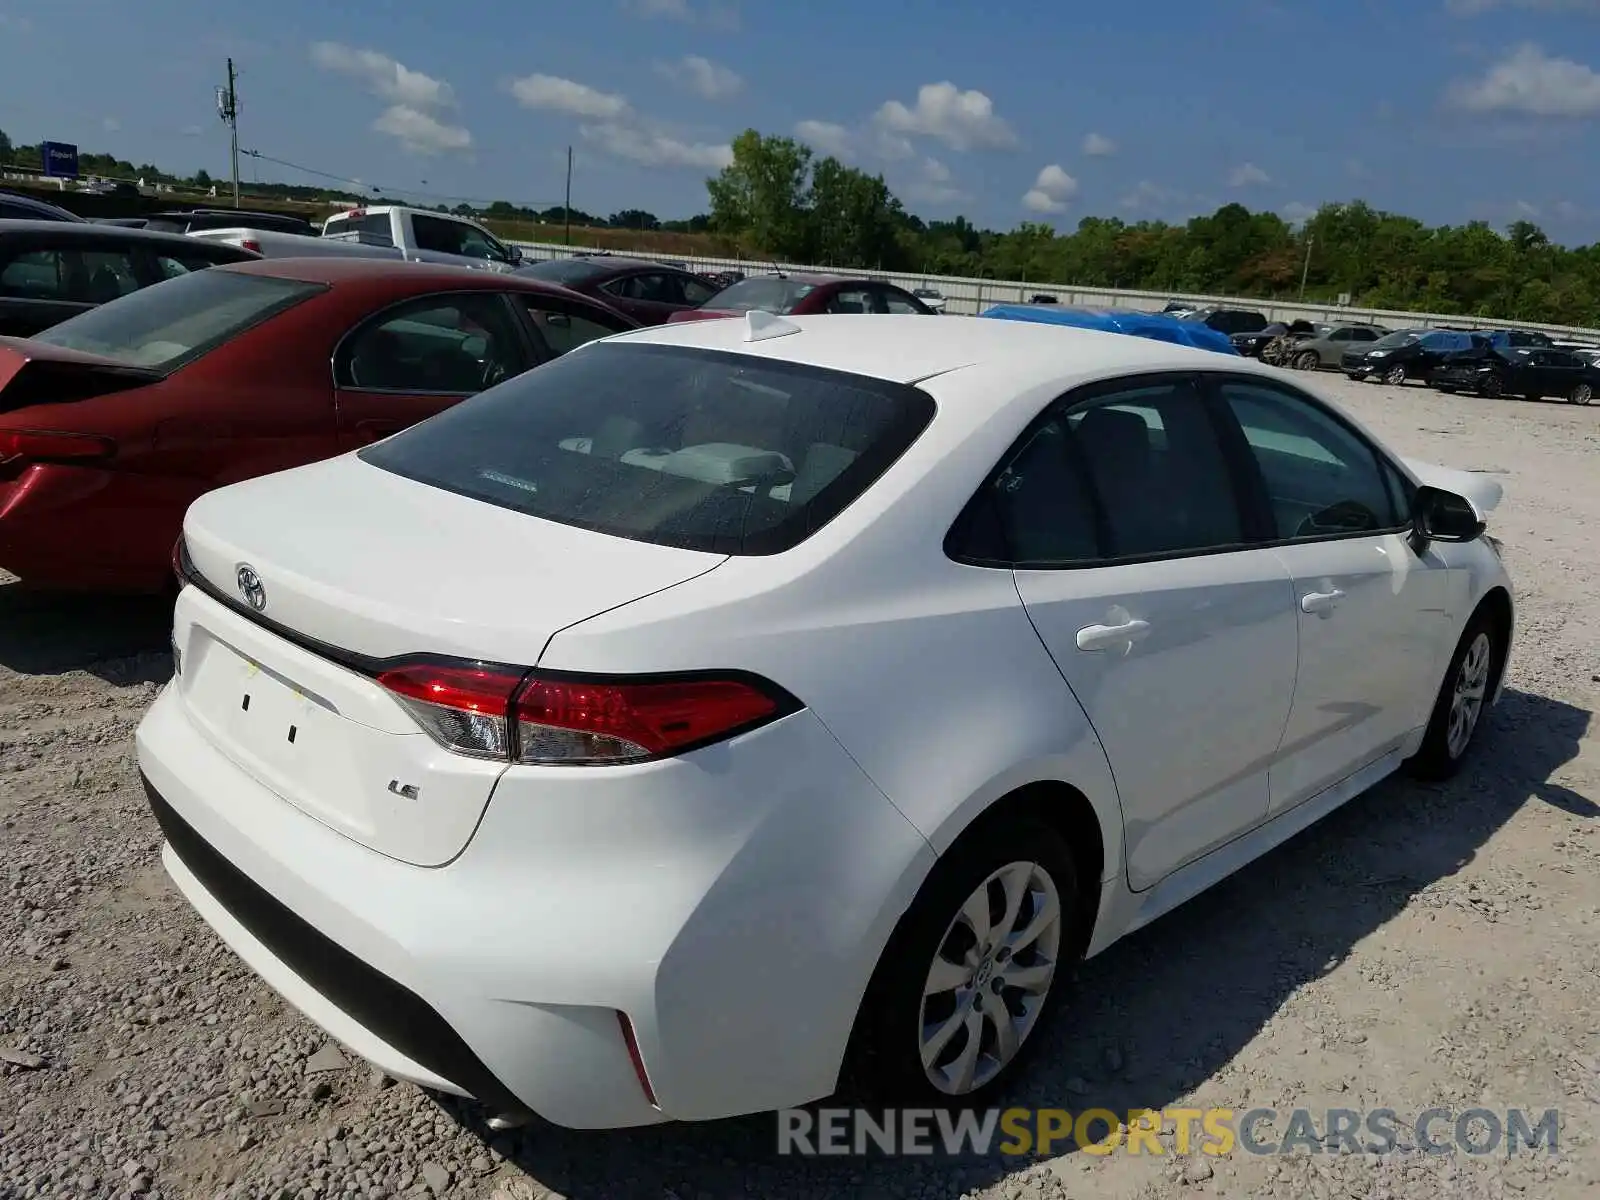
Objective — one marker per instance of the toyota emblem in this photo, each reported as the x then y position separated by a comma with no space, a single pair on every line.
251,587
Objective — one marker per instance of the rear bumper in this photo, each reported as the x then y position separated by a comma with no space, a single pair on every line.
732,904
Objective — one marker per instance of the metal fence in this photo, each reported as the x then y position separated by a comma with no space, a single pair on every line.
969,296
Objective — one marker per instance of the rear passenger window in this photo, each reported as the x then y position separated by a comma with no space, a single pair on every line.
35,275
1130,474
454,345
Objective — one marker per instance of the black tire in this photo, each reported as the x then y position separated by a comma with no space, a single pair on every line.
1307,360
885,1062
1581,393
1491,386
1447,389
1354,376
1437,758
1395,376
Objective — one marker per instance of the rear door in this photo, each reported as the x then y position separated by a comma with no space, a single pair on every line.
419,357
1176,635
650,297
1557,372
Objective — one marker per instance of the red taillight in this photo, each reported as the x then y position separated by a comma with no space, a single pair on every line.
250,244
41,446
591,721
464,706
492,711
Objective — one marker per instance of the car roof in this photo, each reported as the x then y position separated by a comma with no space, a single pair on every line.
337,269
908,348
42,206
92,231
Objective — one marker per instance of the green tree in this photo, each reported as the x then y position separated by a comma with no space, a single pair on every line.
854,219
634,218
763,196
5,147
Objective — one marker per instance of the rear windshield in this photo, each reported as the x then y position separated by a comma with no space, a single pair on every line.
172,323
769,294
564,270
700,449
1394,341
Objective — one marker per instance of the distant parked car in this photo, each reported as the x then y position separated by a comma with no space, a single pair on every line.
53,270
1044,298
14,207
1251,345
649,292
931,296
1532,373
1407,354
796,295
723,279
1326,345
230,218
1229,320
243,370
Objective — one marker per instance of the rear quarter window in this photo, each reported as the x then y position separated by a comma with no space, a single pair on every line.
704,450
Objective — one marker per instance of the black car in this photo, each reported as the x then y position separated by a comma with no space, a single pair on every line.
646,290
1230,320
14,207
1250,345
1408,354
229,218
1530,372
52,270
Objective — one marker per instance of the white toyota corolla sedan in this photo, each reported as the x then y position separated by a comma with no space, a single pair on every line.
727,712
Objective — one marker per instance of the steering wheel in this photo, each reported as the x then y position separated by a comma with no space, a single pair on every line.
494,372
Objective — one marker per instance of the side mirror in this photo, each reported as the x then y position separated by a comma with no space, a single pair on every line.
1441,516
516,256
558,320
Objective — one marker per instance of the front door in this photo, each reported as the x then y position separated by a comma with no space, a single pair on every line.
1177,638
1373,615
420,357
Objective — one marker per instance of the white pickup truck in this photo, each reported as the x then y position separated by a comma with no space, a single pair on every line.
384,231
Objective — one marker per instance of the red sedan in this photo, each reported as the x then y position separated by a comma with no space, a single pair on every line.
794,295
113,422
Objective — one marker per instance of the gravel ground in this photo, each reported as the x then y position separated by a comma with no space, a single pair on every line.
1426,946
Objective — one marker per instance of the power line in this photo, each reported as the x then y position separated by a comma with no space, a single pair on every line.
408,191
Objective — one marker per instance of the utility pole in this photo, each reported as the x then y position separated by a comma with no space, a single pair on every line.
228,110
567,211
1306,269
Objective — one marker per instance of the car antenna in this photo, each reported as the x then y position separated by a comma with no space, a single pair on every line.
759,326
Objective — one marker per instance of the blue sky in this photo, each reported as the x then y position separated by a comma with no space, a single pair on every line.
1448,110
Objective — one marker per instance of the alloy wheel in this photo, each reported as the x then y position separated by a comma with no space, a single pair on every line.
1395,376
990,977
1582,394
1466,700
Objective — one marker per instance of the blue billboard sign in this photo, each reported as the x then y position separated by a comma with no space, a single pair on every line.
60,160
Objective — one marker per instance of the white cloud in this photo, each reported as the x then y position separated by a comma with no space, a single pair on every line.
554,94
1297,213
1051,191
616,127
706,79
652,147
15,24
383,76
111,124
715,14
420,132
932,183
1097,145
1248,175
945,113
1473,8
827,137
1151,197
1528,82
416,102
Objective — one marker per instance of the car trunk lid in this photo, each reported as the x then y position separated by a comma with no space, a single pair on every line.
315,581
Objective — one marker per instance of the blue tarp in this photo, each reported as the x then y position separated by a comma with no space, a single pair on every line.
1158,326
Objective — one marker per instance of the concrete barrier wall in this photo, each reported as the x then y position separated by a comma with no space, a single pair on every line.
965,295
